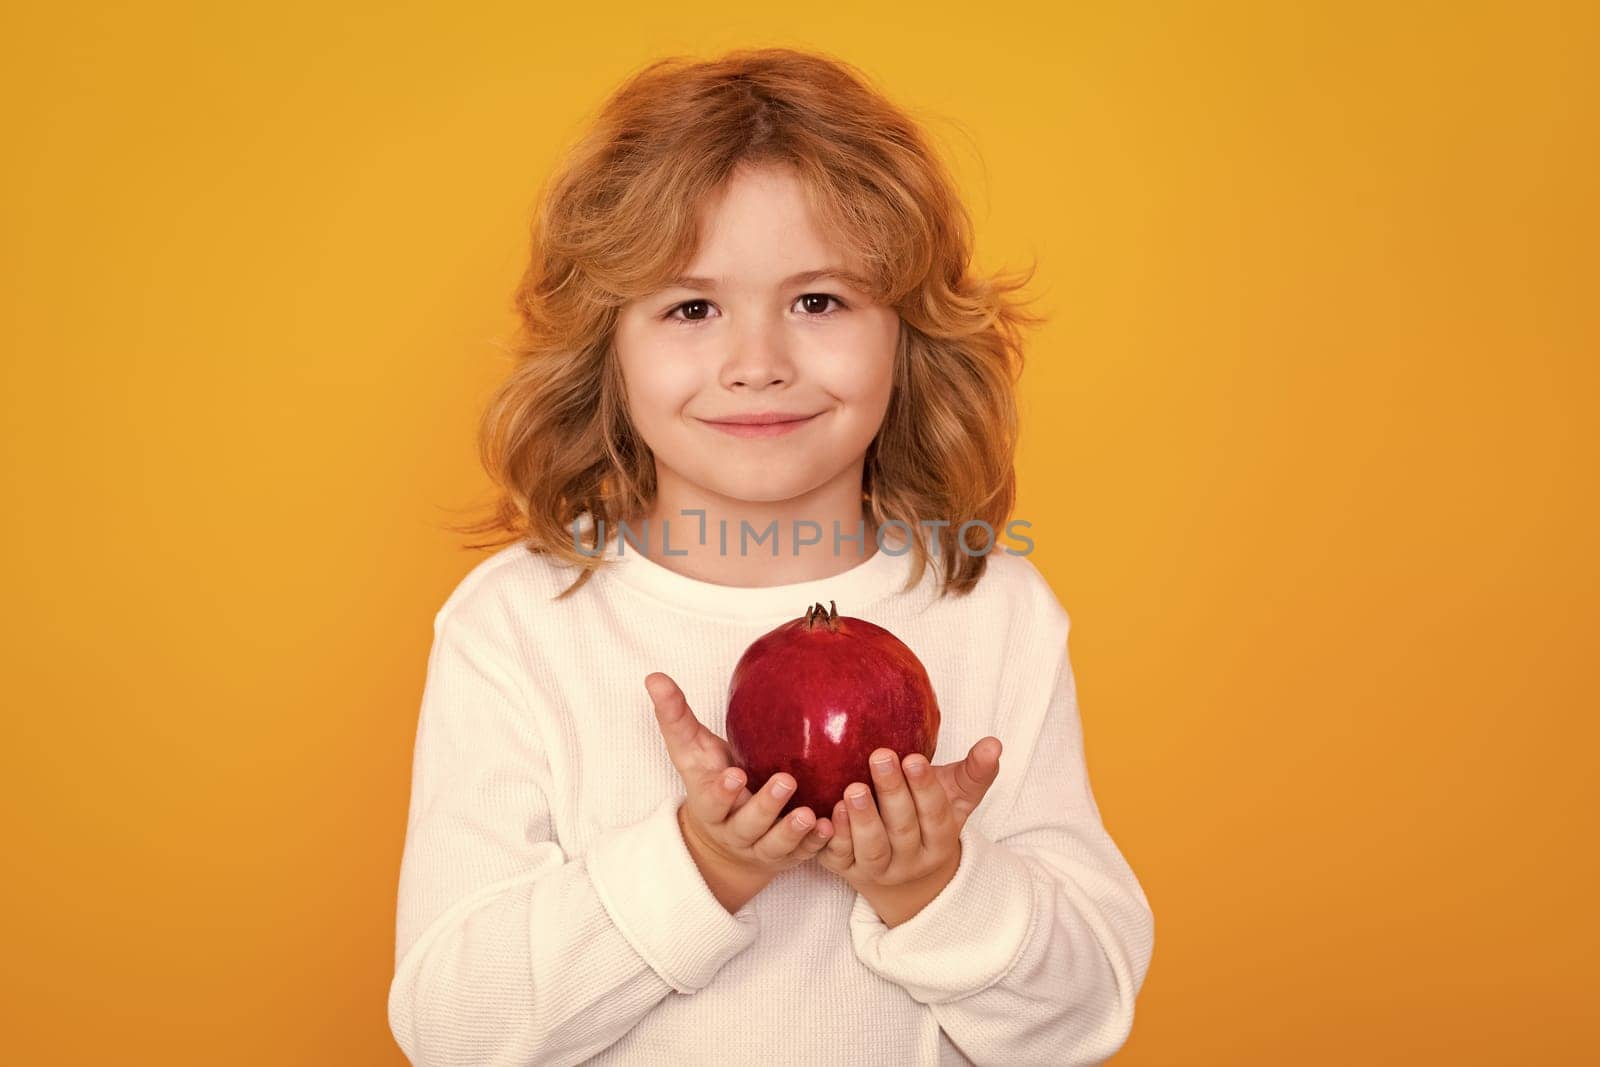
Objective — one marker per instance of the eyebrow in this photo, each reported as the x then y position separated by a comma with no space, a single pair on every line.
804,276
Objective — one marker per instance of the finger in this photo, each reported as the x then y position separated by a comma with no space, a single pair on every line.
786,835
896,806
679,728
839,854
753,819
816,839
872,842
934,816
975,774
715,794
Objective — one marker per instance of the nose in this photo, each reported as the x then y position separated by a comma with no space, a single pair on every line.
759,357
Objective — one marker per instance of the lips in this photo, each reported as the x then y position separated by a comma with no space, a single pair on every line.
762,424
764,418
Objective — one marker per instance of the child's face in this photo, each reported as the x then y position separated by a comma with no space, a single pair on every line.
747,341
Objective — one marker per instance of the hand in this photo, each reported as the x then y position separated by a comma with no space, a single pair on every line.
908,852
729,830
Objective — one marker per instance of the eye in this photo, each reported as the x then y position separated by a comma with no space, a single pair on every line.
816,304
694,311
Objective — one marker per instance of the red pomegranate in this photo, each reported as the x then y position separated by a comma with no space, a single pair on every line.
817,695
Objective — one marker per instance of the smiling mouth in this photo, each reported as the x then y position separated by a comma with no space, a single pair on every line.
765,427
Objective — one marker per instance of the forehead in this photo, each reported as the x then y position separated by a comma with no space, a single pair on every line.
760,228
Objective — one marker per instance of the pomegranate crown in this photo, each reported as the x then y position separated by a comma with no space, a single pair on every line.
829,616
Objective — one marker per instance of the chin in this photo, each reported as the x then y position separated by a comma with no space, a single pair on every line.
761,490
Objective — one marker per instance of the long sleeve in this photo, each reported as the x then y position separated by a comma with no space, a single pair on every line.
507,950
1035,951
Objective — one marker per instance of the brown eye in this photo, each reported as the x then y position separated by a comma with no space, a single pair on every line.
694,309
817,303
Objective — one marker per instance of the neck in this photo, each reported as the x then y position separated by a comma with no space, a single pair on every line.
796,536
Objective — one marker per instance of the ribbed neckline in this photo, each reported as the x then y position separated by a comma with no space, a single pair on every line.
869,581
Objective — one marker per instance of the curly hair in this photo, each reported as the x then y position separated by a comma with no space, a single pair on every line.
620,215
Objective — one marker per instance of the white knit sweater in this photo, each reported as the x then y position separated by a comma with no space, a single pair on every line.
550,913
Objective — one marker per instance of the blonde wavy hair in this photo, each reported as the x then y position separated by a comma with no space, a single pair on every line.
620,216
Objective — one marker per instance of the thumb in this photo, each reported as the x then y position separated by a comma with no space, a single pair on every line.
975,774
679,728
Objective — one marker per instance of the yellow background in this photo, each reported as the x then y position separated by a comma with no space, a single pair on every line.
1309,458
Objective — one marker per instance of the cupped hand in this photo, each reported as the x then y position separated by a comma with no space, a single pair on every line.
912,832
722,821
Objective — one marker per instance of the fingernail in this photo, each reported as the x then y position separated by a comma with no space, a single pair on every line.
915,767
731,780
781,789
882,765
858,800
801,820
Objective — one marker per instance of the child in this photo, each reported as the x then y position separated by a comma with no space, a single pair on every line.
749,315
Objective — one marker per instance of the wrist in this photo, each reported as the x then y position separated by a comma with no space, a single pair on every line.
896,904
731,883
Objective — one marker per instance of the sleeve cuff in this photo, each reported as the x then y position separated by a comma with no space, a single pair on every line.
654,892
966,938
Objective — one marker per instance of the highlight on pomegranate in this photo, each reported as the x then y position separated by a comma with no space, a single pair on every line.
817,695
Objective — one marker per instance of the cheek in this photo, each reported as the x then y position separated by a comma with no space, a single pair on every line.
658,385
861,363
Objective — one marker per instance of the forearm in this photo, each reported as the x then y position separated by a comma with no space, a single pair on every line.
558,962
1068,997
537,974
1026,956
